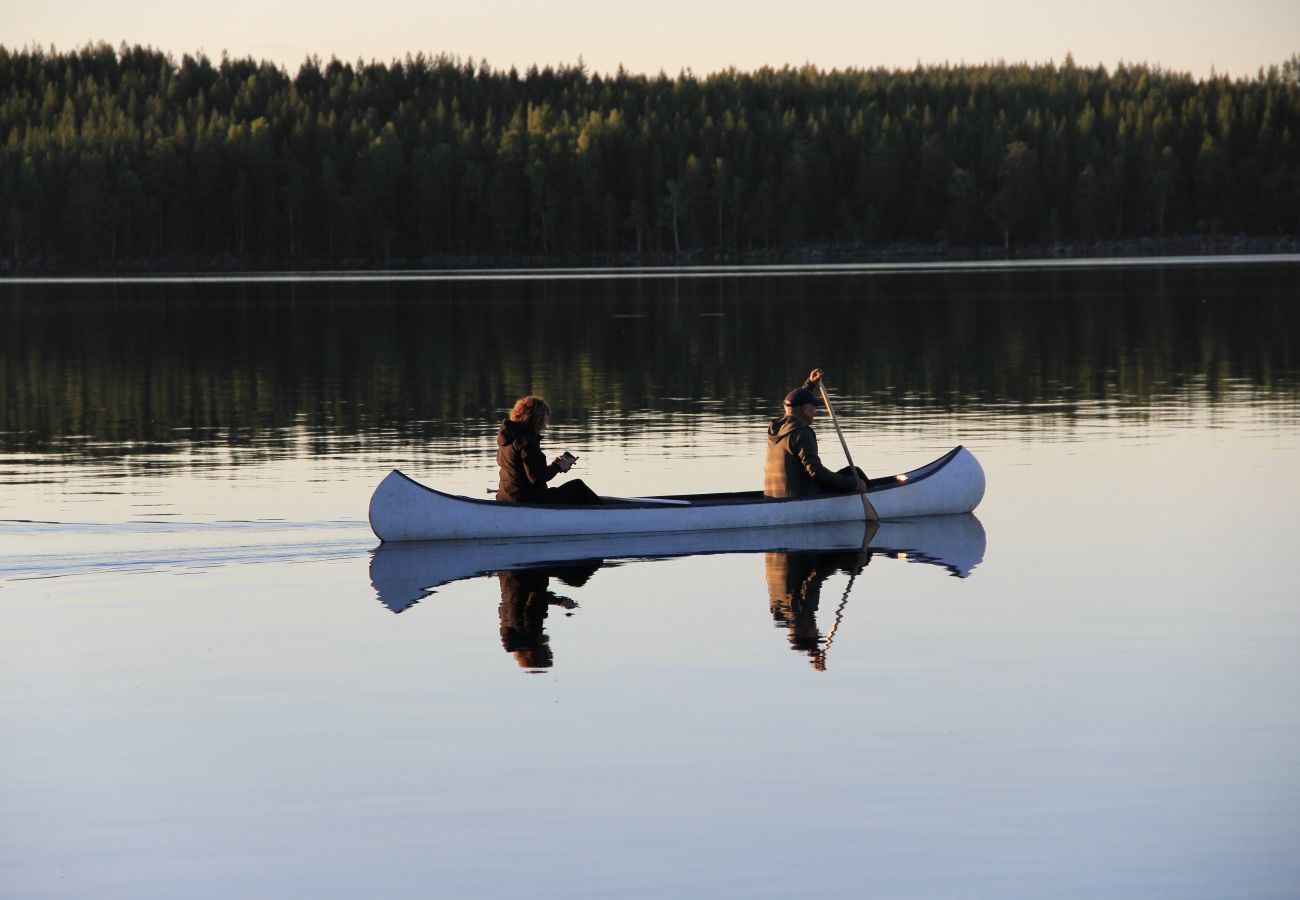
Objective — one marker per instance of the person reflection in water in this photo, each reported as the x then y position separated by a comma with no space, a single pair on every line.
524,469
526,600
794,587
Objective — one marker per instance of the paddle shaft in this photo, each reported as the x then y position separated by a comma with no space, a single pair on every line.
867,508
867,534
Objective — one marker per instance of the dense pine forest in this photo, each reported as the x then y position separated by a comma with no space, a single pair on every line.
126,157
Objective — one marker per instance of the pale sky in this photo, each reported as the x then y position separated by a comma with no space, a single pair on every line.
704,35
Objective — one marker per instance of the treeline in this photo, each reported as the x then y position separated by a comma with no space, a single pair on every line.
125,156
146,368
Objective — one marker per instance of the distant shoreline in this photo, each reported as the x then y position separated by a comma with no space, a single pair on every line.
696,271
843,258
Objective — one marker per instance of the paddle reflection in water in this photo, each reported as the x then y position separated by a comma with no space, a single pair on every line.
794,587
797,560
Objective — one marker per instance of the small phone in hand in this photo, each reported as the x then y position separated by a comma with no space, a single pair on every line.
569,456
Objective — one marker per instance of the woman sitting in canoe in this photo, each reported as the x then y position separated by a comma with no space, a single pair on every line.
524,469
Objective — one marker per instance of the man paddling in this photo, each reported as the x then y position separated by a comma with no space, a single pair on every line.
793,467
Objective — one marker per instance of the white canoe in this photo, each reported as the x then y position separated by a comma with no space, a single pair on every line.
402,509
405,573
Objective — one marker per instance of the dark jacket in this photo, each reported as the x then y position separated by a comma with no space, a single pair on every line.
524,470
793,468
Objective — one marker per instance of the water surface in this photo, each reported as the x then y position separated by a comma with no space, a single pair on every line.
211,675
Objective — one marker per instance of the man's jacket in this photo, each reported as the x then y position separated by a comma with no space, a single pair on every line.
793,468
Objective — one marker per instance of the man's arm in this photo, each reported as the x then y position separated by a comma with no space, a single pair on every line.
804,445
813,383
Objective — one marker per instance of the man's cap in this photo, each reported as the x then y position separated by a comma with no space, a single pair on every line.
800,396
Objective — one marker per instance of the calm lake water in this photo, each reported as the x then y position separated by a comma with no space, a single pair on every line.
214,682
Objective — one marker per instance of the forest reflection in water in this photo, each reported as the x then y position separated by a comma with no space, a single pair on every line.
141,370
534,576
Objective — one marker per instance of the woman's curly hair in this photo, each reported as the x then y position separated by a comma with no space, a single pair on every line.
533,410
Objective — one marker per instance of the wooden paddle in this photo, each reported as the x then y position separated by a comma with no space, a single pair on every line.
867,508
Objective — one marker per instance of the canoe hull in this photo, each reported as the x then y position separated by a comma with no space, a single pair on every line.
404,510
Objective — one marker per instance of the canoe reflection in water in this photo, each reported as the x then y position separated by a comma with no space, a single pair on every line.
798,561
